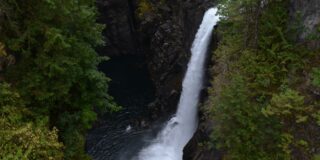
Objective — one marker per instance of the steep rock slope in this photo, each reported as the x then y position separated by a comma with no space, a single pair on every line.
309,12
120,33
167,33
162,31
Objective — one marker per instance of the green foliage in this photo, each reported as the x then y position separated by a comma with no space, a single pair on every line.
316,157
256,102
56,71
2,50
289,106
290,109
241,128
317,117
316,77
22,138
314,35
144,7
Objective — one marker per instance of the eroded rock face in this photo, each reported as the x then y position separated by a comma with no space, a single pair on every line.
170,31
164,36
309,12
120,33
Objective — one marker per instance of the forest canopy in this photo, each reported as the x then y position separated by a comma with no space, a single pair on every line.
263,100
49,82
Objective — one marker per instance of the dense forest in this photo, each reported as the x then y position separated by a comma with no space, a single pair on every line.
264,100
261,101
50,85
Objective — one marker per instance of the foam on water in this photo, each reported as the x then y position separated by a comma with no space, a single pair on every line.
169,143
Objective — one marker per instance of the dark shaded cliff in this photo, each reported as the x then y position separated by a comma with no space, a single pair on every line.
308,13
170,31
120,33
164,36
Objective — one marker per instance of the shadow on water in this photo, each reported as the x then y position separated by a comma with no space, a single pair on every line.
119,136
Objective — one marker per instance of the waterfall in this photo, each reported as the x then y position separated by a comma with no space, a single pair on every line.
169,143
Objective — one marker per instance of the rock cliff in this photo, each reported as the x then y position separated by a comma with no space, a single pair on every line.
308,12
164,36
170,29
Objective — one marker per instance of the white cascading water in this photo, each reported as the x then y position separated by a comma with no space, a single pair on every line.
179,130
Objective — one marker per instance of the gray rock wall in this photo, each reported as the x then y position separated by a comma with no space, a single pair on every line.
309,12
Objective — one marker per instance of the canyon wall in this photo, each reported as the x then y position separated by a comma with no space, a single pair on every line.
164,36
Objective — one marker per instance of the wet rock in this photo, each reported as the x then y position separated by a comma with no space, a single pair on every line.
144,124
309,12
120,32
164,36
169,40
197,148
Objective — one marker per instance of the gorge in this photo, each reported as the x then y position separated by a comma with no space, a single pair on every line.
160,80
174,135
165,40
171,140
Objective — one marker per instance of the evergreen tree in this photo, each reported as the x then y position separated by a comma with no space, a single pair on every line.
260,105
56,65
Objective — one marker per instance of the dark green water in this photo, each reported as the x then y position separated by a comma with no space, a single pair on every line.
131,88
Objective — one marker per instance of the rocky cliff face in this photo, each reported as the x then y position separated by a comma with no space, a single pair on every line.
164,36
170,29
309,12
120,33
